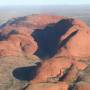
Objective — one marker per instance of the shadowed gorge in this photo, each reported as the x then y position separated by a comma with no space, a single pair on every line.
48,39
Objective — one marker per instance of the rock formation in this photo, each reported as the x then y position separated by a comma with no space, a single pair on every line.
61,44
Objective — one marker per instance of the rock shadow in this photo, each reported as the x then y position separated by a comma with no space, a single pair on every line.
48,39
25,73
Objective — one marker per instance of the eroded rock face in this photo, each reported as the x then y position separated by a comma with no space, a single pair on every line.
62,42
17,45
54,69
27,44
72,75
16,33
49,86
78,44
51,71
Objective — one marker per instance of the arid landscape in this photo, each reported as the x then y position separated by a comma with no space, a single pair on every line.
45,48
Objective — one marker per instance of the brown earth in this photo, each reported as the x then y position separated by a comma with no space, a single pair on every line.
49,86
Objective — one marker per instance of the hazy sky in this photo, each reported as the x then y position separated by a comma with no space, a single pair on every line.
43,2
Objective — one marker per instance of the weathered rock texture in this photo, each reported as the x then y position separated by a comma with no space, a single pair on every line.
49,86
64,44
